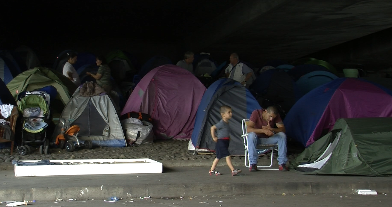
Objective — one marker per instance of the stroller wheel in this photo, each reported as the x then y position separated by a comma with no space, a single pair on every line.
28,148
41,149
46,149
69,146
88,144
62,144
22,150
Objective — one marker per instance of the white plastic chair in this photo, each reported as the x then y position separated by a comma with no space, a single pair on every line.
272,147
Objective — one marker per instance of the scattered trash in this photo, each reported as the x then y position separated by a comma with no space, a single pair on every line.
113,199
16,203
146,197
366,192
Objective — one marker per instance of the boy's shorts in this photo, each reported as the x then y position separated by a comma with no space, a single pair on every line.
222,148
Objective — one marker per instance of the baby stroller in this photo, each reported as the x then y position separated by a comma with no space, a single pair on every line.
34,107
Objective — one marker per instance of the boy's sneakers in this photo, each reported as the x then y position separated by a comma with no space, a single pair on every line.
235,172
214,172
283,167
253,168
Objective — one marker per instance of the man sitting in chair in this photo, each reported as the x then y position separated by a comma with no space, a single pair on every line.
262,130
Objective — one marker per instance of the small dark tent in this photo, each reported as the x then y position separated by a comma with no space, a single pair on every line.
275,87
152,63
359,146
223,92
300,70
28,57
311,81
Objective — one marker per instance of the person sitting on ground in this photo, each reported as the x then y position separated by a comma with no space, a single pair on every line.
239,71
103,75
187,62
261,130
222,141
69,71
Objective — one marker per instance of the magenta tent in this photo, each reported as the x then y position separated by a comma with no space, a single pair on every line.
315,114
171,96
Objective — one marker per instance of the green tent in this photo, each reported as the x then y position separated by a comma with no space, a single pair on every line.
358,146
40,77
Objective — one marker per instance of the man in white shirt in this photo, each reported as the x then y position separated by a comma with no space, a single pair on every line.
69,71
187,62
239,71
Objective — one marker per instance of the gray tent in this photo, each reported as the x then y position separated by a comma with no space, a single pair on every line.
97,118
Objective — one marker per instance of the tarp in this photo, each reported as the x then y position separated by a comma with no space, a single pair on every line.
314,114
223,92
170,95
359,146
97,118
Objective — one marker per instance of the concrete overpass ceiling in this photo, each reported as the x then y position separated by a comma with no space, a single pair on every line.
259,30
293,29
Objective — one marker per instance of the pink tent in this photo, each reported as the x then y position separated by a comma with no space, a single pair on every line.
171,96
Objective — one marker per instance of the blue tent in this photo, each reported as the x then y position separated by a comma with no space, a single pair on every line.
219,69
84,60
223,92
315,114
7,70
301,70
274,87
5,95
311,81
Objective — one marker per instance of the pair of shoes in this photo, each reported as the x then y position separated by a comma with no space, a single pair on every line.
214,172
253,168
235,172
283,167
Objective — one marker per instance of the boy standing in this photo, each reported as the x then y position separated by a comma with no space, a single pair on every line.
222,141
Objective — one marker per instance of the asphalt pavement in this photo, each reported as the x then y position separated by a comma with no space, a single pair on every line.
182,179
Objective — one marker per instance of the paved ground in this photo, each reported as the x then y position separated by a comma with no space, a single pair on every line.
170,152
184,175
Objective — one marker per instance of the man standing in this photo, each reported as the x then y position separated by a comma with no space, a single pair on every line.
187,62
261,130
239,71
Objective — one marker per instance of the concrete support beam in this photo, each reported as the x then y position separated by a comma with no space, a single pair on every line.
230,21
